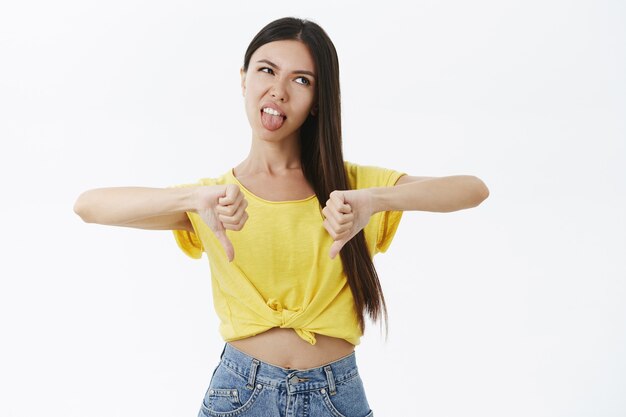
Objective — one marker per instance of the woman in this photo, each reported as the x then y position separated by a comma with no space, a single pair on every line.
291,311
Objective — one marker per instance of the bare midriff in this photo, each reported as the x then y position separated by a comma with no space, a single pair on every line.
283,347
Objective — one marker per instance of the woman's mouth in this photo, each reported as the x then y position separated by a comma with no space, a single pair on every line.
271,119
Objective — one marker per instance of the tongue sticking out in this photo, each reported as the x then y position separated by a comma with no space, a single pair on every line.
271,122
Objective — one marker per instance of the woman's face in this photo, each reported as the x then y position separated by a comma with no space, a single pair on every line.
281,74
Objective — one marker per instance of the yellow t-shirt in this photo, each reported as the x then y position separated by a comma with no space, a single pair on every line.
281,275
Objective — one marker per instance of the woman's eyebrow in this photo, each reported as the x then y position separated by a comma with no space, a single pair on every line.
293,72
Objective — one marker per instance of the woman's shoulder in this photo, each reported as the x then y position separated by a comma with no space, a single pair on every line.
367,175
225,178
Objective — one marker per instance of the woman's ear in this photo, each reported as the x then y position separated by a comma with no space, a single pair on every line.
243,81
314,111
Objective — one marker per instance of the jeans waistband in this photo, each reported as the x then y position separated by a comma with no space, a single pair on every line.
256,371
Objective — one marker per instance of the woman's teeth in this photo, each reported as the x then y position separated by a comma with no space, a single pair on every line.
271,119
271,111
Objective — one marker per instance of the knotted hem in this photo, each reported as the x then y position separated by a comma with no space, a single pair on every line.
306,335
287,319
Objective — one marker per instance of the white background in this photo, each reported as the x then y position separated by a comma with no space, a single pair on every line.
513,308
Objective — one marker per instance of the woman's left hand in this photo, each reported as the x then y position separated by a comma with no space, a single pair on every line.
346,212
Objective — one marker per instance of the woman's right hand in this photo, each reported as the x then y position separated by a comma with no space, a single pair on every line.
222,207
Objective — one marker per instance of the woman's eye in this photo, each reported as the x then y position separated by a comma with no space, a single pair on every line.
307,82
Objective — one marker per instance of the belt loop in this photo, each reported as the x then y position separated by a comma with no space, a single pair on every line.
252,376
331,379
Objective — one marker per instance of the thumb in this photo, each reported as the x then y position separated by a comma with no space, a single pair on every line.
336,247
228,246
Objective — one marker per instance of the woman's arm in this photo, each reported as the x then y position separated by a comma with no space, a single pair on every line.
348,211
221,207
142,207
439,194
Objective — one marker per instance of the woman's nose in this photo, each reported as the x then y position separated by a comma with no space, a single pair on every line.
279,92
279,96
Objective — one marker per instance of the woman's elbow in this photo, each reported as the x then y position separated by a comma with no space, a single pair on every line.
81,208
482,192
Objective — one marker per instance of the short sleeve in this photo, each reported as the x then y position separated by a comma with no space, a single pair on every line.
389,220
383,225
189,242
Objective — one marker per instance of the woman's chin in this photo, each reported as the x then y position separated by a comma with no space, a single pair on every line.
274,136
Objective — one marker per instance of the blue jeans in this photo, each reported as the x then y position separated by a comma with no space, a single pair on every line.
244,386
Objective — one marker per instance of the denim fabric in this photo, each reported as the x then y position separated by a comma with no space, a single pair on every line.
244,386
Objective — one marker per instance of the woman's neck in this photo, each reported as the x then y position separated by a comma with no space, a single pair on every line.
271,158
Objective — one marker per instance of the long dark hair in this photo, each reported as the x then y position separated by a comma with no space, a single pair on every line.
321,152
